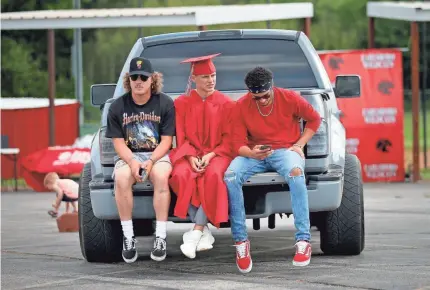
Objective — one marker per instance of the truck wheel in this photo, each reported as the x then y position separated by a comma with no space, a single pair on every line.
342,230
100,240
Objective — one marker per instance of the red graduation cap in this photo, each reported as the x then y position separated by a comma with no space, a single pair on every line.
202,65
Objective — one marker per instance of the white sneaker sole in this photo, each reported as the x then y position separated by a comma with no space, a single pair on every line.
158,259
247,270
132,260
201,247
188,251
302,264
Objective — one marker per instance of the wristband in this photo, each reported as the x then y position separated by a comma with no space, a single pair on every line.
152,160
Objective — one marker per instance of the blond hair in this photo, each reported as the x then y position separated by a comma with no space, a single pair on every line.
50,178
156,85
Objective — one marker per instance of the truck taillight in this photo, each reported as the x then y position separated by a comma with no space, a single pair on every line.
107,150
318,145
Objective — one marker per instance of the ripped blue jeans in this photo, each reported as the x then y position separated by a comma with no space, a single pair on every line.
282,161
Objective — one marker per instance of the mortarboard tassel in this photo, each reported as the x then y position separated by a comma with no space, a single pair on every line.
188,89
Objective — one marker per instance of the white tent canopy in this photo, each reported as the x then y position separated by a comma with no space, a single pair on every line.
408,11
146,17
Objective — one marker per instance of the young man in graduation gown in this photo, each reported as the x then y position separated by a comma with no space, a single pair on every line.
267,136
202,155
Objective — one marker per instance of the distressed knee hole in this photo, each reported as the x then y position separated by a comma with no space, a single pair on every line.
229,176
295,172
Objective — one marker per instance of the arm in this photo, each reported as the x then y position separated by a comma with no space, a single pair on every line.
167,131
224,147
114,131
239,135
162,148
305,111
180,124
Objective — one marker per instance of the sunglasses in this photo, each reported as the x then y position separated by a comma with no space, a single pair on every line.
142,77
263,97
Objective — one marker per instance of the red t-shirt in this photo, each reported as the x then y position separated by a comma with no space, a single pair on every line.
281,128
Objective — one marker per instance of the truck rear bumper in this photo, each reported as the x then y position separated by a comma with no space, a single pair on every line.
261,200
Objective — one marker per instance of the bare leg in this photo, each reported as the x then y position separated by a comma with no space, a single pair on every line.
123,192
75,206
159,177
67,207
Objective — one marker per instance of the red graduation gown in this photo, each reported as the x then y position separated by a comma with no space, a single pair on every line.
202,127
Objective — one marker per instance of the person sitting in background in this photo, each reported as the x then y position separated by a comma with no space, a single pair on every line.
66,190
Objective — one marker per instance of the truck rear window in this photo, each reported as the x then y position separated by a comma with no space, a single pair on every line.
284,58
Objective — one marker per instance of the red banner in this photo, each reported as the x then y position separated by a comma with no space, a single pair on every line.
373,122
62,160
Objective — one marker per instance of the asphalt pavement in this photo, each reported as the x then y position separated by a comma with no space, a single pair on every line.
397,254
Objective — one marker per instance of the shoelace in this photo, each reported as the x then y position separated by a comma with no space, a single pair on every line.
160,244
241,250
129,243
301,247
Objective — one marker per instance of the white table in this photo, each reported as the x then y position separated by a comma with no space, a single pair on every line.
13,153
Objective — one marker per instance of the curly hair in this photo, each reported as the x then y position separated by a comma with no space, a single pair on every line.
258,76
156,86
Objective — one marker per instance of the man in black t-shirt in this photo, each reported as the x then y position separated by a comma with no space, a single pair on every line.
141,124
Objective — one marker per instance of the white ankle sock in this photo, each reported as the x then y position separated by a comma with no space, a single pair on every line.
161,229
127,229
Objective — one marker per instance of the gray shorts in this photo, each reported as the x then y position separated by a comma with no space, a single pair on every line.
139,156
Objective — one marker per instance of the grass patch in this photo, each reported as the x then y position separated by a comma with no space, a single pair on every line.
409,134
425,174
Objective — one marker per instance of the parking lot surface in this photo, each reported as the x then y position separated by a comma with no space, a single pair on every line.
396,256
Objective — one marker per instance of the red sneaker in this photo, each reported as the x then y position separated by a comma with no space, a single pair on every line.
303,254
243,256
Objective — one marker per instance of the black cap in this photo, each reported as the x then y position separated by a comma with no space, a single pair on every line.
140,66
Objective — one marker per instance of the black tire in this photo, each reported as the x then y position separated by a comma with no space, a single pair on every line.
342,230
100,240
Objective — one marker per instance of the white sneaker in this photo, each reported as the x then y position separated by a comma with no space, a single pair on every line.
191,239
207,241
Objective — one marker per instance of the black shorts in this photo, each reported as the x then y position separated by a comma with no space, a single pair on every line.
68,199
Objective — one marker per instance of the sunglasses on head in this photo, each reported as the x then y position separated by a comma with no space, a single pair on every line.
263,97
142,77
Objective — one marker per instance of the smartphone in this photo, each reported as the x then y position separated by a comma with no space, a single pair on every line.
144,174
264,147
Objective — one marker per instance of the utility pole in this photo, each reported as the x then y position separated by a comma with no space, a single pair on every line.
79,87
268,23
140,28
424,90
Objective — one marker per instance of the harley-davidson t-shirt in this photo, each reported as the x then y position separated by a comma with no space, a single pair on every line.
141,126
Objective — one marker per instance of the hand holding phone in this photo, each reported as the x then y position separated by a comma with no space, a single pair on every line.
260,152
264,147
143,173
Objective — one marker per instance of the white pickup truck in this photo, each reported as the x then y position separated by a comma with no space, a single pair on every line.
333,177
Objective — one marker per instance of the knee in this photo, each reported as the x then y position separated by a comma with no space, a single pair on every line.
123,179
232,176
182,173
160,179
296,172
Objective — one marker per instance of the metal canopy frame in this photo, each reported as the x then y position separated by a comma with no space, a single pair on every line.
199,16
413,12
149,17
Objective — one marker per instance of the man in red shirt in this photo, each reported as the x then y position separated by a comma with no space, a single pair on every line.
267,137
